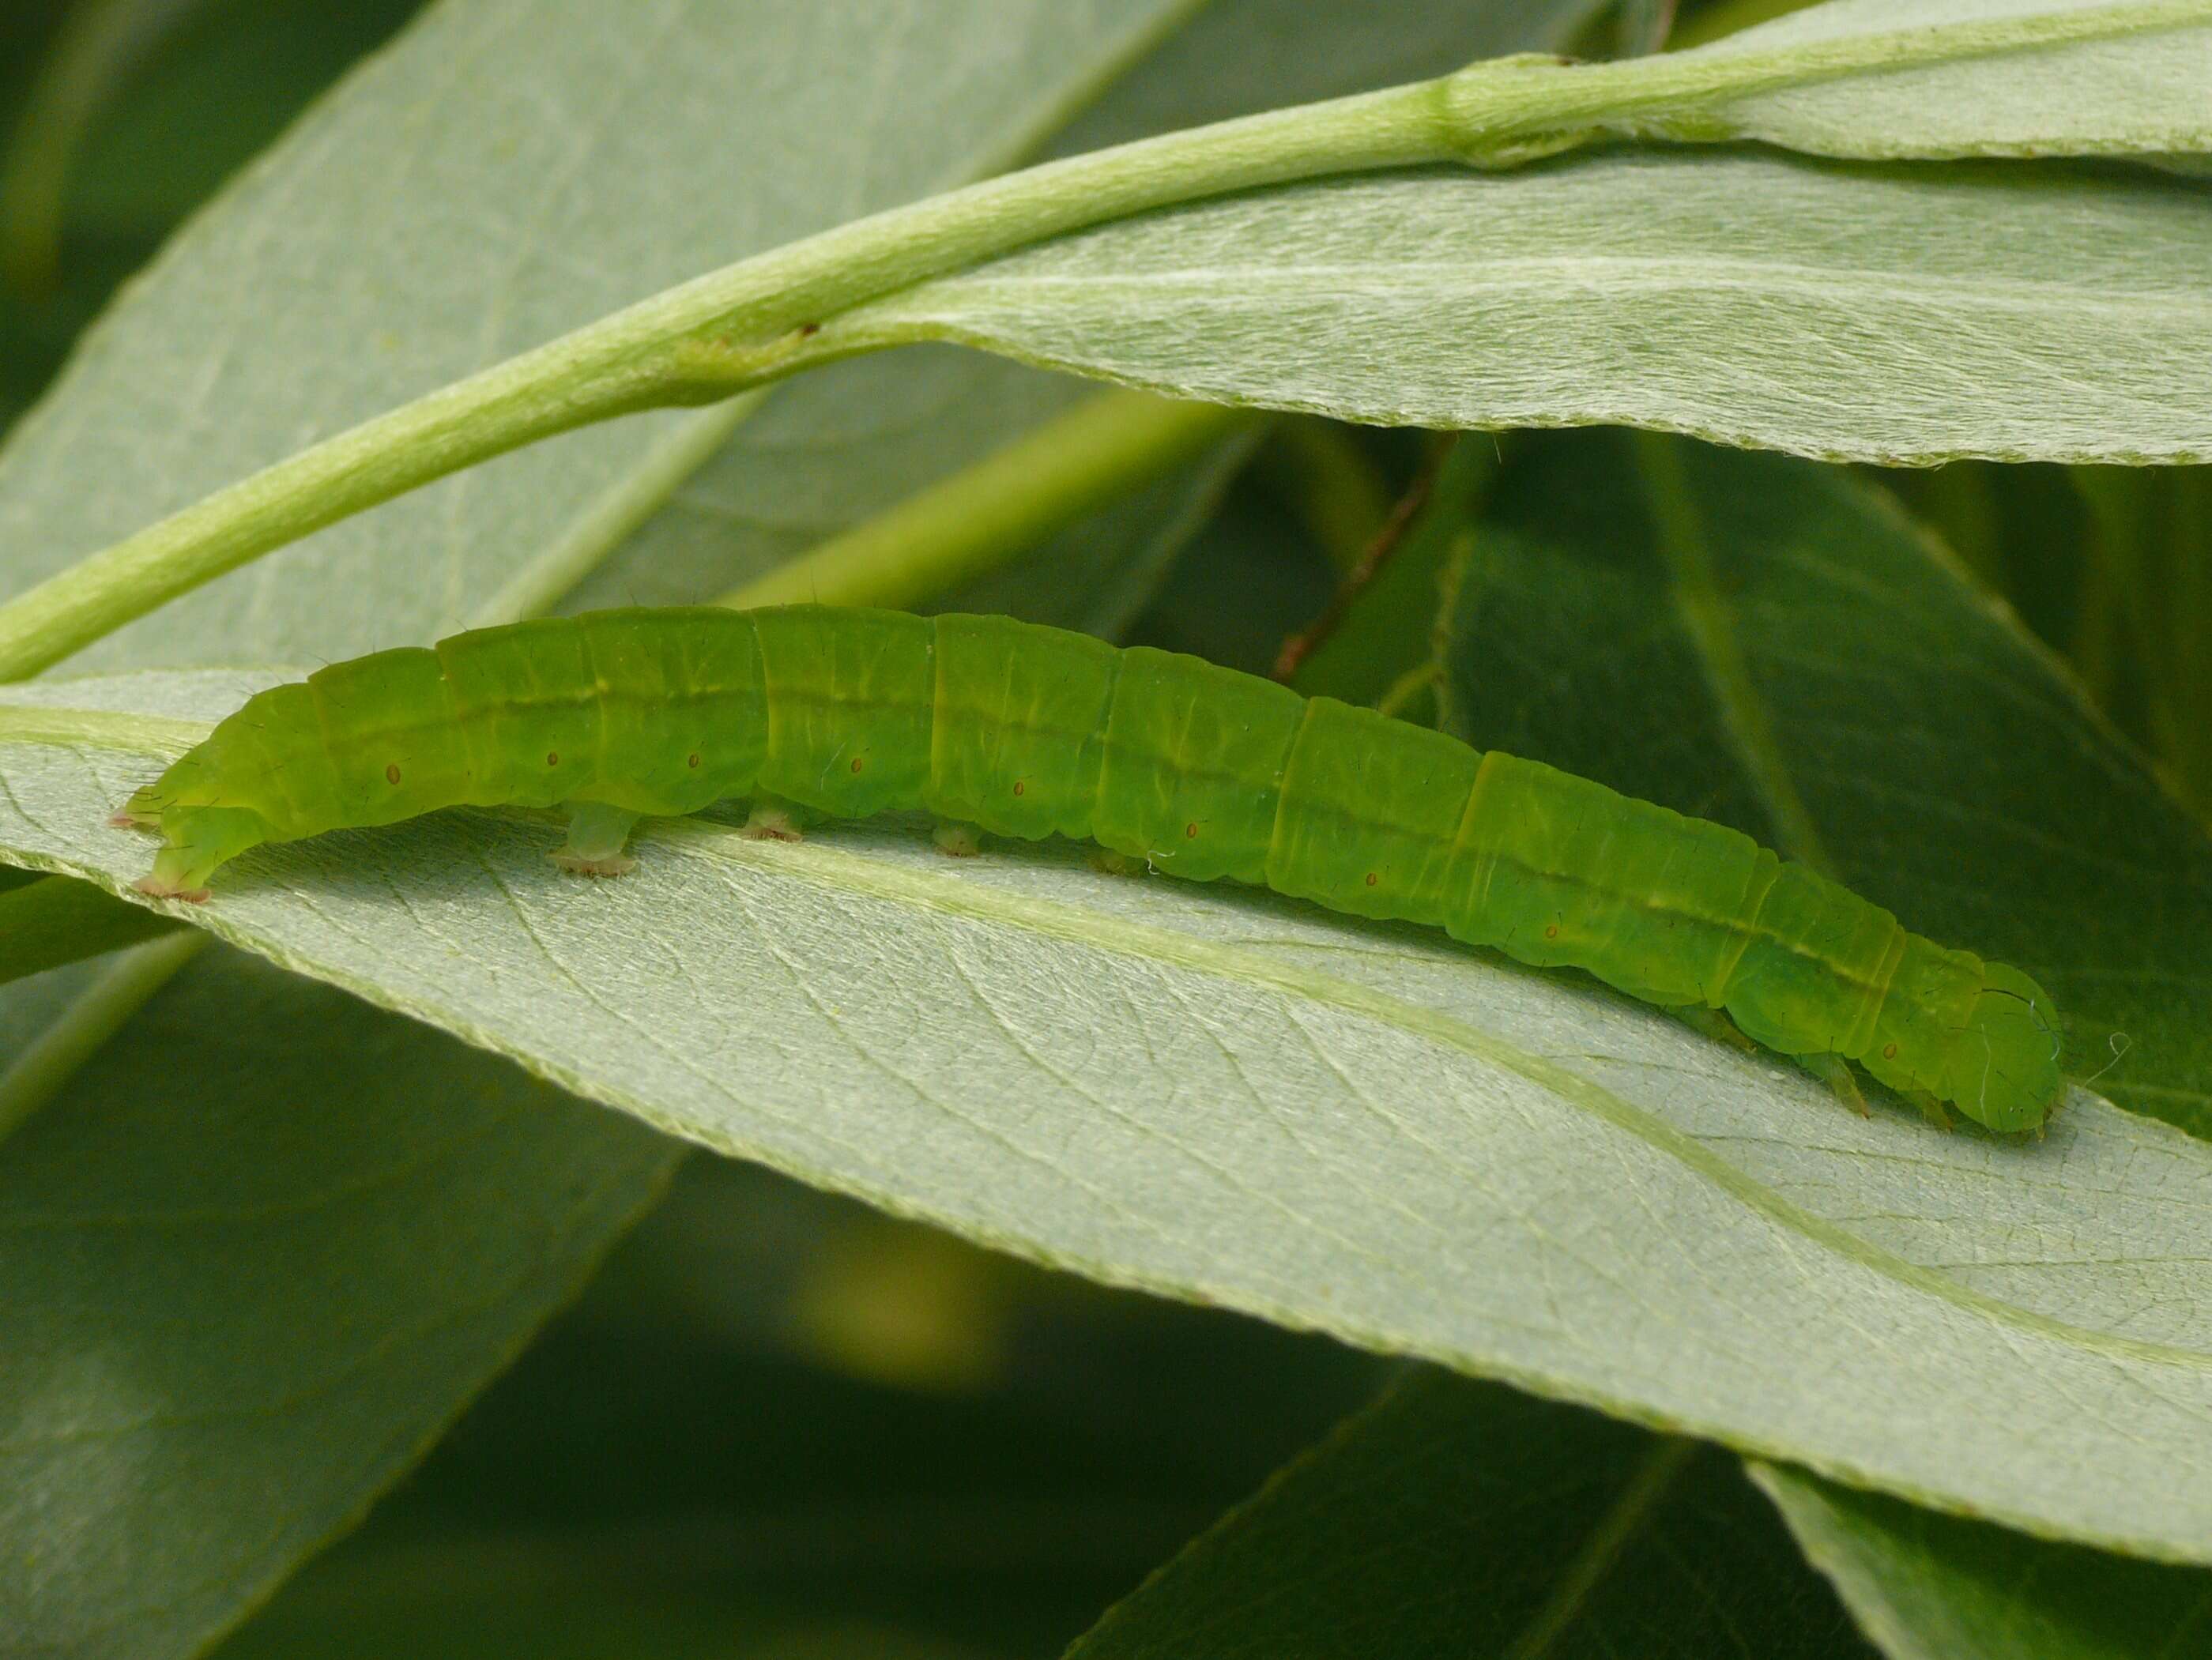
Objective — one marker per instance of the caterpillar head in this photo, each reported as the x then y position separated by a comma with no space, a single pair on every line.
2003,1069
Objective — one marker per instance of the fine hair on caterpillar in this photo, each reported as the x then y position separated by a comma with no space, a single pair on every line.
1201,772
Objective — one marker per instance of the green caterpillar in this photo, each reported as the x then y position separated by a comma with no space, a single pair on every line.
1203,771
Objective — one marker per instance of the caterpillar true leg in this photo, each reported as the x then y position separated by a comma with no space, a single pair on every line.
597,834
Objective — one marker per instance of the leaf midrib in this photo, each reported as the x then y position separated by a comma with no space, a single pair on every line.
836,868
1653,273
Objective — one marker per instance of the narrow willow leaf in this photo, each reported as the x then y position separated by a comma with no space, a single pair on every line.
2137,93
1222,1095
1456,1517
1927,1587
238,1304
2022,312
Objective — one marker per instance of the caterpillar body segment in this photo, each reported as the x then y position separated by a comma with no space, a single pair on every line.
1201,772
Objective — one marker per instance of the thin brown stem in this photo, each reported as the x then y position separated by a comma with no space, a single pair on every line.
1373,558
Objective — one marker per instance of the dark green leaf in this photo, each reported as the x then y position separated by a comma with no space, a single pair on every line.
1929,1587
246,1281
53,920
1777,646
1459,1518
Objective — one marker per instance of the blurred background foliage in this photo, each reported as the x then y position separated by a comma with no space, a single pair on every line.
778,1423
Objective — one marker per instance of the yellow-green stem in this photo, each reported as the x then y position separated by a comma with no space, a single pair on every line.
1646,1490
51,1059
98,45
1320,473
759,319
981,516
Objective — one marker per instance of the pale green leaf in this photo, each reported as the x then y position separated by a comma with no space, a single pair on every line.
2028,312
1226,1096
2138,93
